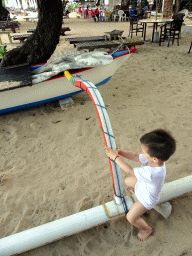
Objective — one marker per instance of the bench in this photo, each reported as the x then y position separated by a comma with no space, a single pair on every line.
12,25
91,46
21,38
31,30
63,30
76,40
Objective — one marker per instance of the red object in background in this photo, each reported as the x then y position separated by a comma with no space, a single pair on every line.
79,10
92,13
86,13
97,11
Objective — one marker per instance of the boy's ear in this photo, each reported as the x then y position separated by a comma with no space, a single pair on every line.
155,159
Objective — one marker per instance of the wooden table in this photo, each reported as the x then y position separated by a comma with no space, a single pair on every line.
155,24
5,32
113,35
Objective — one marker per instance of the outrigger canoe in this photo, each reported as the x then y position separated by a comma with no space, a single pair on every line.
58,87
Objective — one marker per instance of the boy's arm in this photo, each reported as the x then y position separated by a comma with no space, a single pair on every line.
128,154
124,166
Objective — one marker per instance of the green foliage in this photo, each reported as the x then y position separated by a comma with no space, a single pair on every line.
142,4
188,6
134,5
71,7
3,49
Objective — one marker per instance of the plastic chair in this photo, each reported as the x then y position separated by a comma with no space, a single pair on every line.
115,17
122,15
101,16
107,16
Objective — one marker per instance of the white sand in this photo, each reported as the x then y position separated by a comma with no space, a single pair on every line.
53,162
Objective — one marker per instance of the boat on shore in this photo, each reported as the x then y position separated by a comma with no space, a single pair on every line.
57,87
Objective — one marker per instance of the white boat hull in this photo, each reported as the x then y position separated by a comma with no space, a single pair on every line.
55,89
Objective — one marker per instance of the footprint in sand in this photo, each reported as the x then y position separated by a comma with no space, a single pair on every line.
6,180
79,130
84,204
9,134
93,245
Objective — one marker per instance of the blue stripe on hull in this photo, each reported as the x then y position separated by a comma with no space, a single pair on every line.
2,111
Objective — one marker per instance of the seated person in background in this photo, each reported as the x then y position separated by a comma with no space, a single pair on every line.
86,13
93,15
97,13
66,13
131,11
80,10
140,13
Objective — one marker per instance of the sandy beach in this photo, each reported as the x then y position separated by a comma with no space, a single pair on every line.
53,162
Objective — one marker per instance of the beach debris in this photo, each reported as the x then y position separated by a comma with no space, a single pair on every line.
56,122
2,178
8,84
132,41
70,61
66,103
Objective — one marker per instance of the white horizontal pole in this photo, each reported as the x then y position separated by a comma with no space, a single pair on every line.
50,232
176,188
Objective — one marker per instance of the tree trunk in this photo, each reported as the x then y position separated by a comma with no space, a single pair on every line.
63,5
3,12
177,6
41,44
98,3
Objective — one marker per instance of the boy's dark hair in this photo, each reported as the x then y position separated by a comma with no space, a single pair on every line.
160,144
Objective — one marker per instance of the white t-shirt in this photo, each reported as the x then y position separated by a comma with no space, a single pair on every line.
149,184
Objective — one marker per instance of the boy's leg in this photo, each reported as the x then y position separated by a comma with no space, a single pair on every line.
134,217
130,182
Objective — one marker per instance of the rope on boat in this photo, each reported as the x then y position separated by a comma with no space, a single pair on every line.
106,128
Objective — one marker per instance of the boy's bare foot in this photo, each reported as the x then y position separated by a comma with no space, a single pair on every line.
144,234
130,189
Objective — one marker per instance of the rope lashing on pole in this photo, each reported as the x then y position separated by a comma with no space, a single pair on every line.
107,132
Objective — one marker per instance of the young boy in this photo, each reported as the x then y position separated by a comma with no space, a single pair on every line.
145,181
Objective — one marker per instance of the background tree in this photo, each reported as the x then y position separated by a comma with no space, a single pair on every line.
41,44
3,12
125,4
